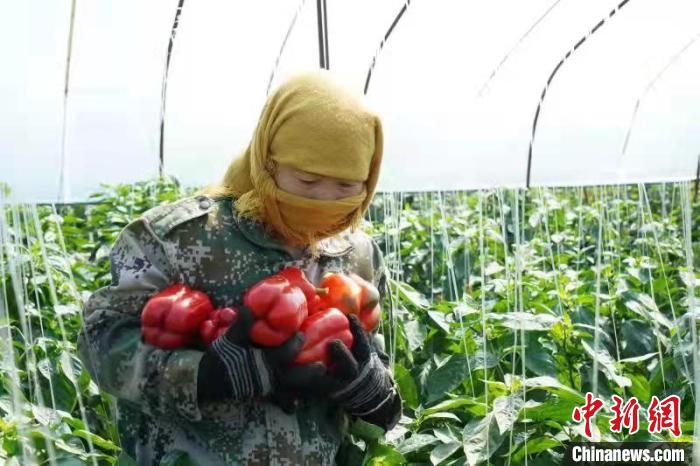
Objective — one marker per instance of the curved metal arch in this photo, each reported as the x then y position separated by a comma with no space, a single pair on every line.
381,44
551,77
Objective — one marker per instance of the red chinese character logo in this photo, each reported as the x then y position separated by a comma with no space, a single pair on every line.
665,415
587,412
625,416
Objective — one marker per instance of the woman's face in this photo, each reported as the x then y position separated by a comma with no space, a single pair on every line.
314,186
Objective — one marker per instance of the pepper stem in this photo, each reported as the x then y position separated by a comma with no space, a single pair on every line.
322,291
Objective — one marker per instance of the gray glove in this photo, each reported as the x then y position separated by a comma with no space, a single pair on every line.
231,368
360,382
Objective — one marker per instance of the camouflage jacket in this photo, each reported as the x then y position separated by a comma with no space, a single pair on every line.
203,243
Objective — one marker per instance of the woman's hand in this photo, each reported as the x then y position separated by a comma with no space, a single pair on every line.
231,368
357,381
364,387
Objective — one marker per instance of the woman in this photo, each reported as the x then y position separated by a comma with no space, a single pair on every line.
293,198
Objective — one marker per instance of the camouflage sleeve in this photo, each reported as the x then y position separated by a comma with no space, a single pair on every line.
110,346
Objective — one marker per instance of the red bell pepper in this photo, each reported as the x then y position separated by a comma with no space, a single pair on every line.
217,323
297,278
320,329
343,293
279,309
353,295
370,311
369,297
172,317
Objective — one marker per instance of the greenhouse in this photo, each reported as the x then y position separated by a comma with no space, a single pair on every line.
417,233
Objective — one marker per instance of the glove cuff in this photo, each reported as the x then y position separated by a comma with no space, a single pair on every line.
263,371
369,391
245,367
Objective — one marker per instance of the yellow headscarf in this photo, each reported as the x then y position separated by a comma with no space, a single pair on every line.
314,125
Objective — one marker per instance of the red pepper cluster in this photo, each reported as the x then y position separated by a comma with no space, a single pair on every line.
178,316
282,305
287,302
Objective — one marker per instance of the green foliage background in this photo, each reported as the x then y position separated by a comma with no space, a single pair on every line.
491,321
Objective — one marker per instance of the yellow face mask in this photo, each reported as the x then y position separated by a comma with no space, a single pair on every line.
304,221
312,124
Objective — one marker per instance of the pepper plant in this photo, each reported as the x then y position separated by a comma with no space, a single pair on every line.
505,308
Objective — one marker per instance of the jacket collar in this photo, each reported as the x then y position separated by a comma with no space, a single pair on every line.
254,232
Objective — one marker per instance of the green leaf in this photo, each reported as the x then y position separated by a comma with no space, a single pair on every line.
424,371
449,405
61,444
643,305
535,218
67,366
493,268
447,377
415,334
483,361
640,388
445,415
96,440
44,415
440,319
64,393
554,386
407,386
524,320
537,359
482,437
463,310
366,430
44,366
409,295
383,455
637,359
638,338
505,411
534,445
445,434
84,380
416,442
74,422
688,278
443,451
555,409
606,364
67,309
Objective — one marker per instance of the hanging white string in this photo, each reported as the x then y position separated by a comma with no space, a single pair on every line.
63,175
